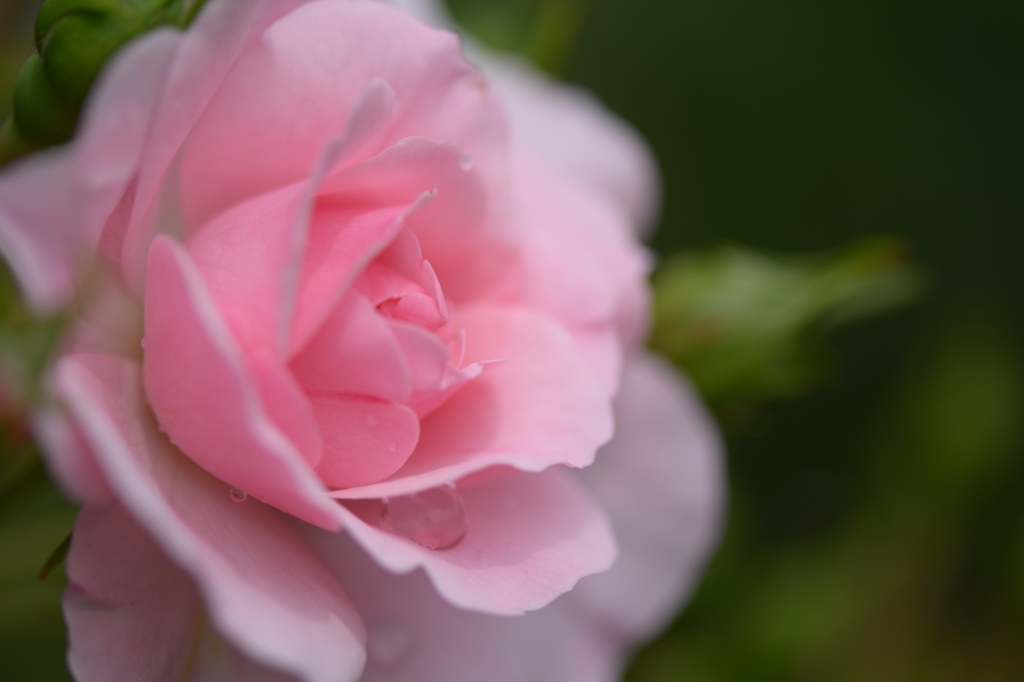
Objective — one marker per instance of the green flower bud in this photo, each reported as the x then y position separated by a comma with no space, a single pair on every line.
41,115
75,39
747,327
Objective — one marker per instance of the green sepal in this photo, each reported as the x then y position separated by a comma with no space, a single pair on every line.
42,116
56,557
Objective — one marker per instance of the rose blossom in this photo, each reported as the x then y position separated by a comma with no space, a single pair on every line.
338,320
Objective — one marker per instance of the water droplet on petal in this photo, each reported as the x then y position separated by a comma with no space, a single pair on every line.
238,495
388,643
392,446
371,419
435,518
466,163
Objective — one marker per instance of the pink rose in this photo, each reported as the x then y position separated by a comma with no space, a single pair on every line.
335,315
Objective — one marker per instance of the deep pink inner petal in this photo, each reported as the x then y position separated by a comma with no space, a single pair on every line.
207,400
365,440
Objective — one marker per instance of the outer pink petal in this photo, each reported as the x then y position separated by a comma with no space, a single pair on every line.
54,205
529,538
264,590
582,263
69,458
292,91
570,130
222,33
414,635
133,615
207,400
661,479
539,406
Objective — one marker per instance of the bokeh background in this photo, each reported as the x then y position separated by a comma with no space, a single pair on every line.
876,523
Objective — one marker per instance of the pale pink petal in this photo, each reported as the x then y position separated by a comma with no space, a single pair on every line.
133,615
294,89
661,480
68,457
529,538
54,205
571,131
603,278
601,348
207,400
365,440
223,31
540,405
355,352
264,591
414,635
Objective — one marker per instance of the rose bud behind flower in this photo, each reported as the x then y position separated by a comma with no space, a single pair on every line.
334,325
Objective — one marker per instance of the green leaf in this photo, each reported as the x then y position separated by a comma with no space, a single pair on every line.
748,327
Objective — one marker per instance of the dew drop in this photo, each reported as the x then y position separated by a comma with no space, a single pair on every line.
392,446
388,643
371,419
466,163
237,495
434,518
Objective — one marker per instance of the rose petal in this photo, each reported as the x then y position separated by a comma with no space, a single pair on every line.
581,262
529,538
207,400
245,256
290,93
571,131
54,205
661,480
68,458
133,615
540,406
222,32
264,590
342,241
355,352
434,376
365,440
414,635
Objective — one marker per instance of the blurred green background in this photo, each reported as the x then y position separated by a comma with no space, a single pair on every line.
876,522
